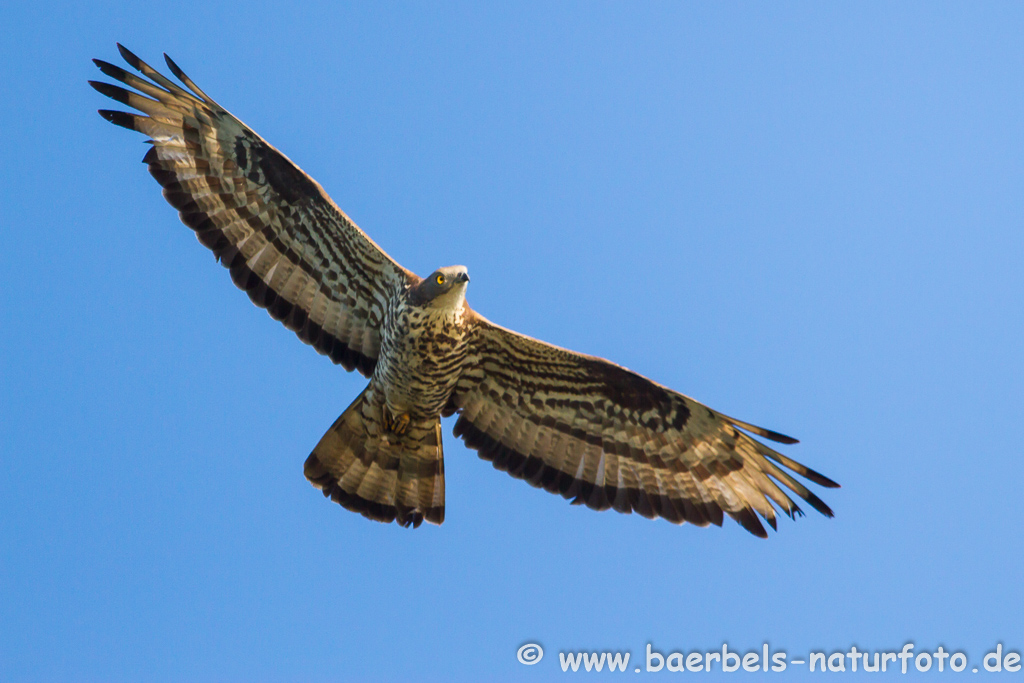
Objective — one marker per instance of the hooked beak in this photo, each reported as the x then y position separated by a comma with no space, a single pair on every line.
463,277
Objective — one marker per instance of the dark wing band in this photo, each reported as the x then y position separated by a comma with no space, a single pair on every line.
285,242
604,436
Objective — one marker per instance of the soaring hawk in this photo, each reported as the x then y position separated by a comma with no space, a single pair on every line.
576,425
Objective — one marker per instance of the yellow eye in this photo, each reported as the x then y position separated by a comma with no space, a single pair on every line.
440,279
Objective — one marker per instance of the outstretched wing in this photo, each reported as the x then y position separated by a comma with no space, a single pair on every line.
285,242
607,437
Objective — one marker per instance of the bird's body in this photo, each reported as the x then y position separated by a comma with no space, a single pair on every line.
422,351
576,425
390,439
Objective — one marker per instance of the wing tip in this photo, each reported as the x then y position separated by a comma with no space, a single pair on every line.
779,438
129,56
819,505
183,77
110,90
112,70
175,69
118,118
749,521
769,434
820,479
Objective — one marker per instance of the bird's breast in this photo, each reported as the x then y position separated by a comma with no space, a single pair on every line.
421,357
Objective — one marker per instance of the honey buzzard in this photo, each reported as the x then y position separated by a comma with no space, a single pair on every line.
580,426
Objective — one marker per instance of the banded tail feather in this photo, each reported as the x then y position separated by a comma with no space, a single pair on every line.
381,475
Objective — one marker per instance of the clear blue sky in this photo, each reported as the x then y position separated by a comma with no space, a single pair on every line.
808,216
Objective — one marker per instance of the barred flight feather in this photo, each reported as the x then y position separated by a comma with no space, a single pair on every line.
282,238
605,437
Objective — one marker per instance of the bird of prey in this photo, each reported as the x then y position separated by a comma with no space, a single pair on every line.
576,425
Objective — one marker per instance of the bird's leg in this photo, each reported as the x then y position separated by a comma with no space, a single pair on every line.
396,423
401,423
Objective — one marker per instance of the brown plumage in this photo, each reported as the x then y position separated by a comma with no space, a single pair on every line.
583,427
383,475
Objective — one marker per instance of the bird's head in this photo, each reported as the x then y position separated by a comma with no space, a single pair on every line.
444,288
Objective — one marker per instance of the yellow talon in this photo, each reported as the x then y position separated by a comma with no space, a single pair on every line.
397,424
401,424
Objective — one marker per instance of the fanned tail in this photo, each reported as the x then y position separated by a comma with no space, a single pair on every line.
382,475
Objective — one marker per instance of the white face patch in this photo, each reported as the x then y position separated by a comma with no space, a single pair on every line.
452,300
